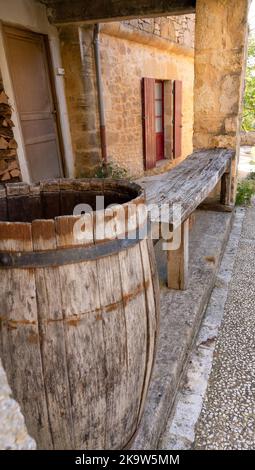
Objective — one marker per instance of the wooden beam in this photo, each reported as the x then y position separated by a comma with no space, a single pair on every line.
226,182
178,261
66,11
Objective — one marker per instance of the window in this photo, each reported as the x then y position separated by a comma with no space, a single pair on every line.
159,118
162,119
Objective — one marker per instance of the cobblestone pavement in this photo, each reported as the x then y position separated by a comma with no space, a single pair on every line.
227,420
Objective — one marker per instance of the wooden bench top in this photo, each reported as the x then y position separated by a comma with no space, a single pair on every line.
189,183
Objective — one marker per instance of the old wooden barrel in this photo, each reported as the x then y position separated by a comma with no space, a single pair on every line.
79,314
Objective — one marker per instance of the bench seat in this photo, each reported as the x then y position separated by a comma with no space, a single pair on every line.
188,184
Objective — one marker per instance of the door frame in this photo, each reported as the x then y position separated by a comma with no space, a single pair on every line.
28,23
56,106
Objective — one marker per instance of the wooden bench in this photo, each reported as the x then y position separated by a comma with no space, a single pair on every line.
188,184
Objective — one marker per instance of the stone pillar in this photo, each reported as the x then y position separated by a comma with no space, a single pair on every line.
76,43
220,54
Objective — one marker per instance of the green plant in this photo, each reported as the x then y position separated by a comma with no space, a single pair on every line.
245,190
252,175
248,122
111,170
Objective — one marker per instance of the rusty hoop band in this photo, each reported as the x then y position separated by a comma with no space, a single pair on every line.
64,256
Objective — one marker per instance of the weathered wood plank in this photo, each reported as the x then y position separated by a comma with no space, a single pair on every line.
15,237
132,282
64,11
112,318
152,317
50,197
52,334
3,204
11,237
85,352
16,202
226,181
188,184
155,278
20,336
178,261
85,348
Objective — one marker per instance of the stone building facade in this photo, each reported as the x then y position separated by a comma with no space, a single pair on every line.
179,29
159,48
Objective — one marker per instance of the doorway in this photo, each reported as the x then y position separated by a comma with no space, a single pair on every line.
30,69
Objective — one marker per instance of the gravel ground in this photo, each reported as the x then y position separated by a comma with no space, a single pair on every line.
227,420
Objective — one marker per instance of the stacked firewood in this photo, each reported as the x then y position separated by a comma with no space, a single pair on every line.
9,168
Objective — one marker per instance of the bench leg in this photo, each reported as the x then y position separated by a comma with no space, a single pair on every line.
178,261
226,181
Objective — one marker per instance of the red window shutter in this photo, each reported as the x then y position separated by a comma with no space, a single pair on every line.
149,138
177,124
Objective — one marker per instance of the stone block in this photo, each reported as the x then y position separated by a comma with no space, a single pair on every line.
231,124
230,94
224,141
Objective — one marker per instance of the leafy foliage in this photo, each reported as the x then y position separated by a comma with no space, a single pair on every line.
248,123
111,170
245,190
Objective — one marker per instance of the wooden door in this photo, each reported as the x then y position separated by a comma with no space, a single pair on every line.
159,119
28,61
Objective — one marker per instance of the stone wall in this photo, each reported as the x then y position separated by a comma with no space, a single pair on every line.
126,58
221,45
81,95
179,29
9,168
124,64
219,71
